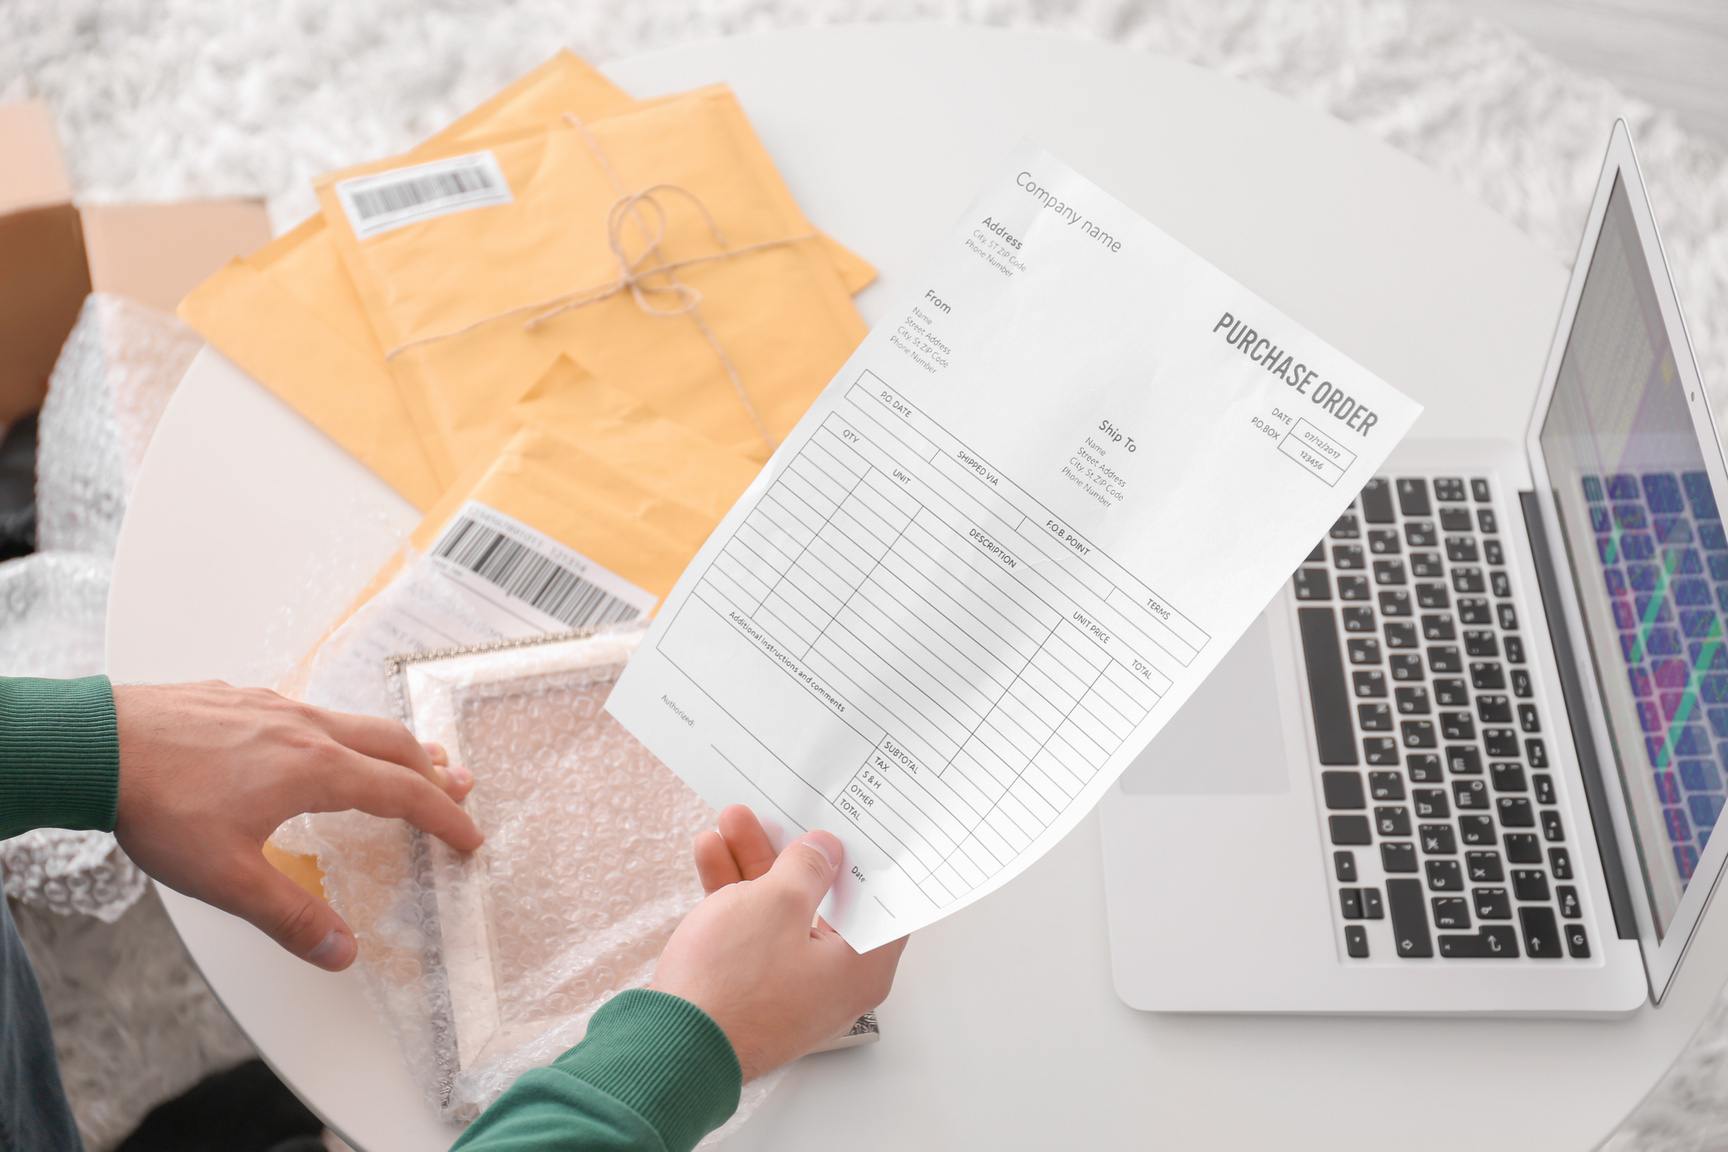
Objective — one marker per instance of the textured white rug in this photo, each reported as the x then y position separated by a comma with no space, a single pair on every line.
160,98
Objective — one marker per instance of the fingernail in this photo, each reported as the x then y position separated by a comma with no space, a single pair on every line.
827,844
436,751
334,952
460,775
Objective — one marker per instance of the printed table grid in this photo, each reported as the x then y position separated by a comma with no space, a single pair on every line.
998,707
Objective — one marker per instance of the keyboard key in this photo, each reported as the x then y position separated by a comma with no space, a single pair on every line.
1467,580
1349,556
1438,626
1479,491
1345,528
1493,708
1520,678
1514,650
1377,502
1349,829
1374,717
1343,790
1426,565
1430,803
1424,768
1350,903
1405,665
1389,572
1527,718
1457,726
1433,596
1523,848
1395,602
1493,942
1369,684
1552,830
1507,777
1449,490
1402,635
1386,785
1411,701
1456,520
1475,610
1515,812
1491,903
1393,821
1379,750
1450,912
1577,941
1372,908
1438,840
1493,552
1359,620
1567,896
1529,884
1544,786
1464,761
1445,658
1462,549
1409,919
1486,676
1537,753
1560,863
1316,555
1312,584
1508,617
1384,542
1356,941
1444,875
1479,642
1418,734
1541,933
1334,735
1476,829
1451,694
1500,584
1500,742
1421,534
1344,866
1398,857
1484,867
1352,587
1413,496
1469,794
1363,651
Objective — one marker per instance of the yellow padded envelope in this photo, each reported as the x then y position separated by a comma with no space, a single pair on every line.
451,296
290,317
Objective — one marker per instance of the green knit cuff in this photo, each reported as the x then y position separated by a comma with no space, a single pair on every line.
663,1057
59,755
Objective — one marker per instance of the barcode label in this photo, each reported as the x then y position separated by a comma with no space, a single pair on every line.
389,200
535,571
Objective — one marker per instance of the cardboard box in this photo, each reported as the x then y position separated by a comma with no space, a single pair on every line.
52,254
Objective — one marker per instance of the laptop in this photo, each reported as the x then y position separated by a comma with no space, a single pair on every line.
1471,758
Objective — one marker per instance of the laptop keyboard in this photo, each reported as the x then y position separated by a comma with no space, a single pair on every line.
1663,552
1447,839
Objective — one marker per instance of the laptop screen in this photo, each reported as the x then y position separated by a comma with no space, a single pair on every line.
1648,556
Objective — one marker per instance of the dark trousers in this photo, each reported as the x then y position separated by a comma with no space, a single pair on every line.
34,1115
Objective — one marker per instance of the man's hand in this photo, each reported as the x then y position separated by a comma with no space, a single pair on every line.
208,771
749,957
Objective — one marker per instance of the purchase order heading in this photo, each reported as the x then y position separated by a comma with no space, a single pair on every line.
1029,516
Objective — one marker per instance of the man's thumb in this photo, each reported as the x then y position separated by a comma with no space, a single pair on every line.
806,867
294,918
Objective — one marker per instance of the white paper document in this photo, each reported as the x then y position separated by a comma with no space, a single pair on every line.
1029,516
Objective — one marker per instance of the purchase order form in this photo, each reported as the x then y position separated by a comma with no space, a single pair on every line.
1035,508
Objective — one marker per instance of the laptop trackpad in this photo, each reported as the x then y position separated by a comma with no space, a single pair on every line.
1228,739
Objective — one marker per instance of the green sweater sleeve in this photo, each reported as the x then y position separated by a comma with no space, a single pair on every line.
59,755
654,1074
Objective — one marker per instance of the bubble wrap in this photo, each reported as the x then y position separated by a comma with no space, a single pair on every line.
488,965
52,610
113,380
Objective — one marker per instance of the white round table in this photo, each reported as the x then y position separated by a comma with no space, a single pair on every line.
249,531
